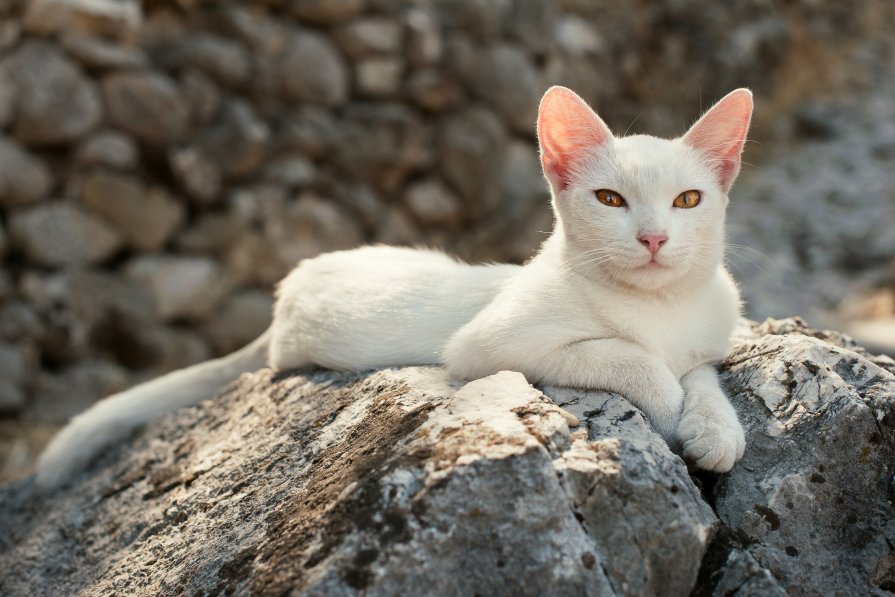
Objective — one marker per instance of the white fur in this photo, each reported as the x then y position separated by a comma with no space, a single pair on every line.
587,311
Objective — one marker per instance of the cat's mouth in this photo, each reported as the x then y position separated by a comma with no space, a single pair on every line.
652,264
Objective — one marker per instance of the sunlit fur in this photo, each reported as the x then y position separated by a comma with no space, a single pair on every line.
589,310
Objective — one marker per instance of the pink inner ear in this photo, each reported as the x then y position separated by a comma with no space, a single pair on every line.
721,133
568,130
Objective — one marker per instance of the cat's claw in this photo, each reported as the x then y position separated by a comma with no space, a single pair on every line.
710,439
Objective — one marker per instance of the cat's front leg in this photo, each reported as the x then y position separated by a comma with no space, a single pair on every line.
709,433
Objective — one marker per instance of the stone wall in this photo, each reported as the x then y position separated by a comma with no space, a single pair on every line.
163,164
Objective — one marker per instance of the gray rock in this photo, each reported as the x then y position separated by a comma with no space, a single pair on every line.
146,217
182,287
24,177
62,234
378,77
311,70
434,90
96,53
55,102
472,150
114,18
424,42
7,97
61,395
240,319
147,104
237,141
196,172
17,364
811,500
530,22
225,60
578,38
10,33
3,274
108,148
397,483
504,76
372,35
432,203
202,93
290,171
310,130
325,12
18,321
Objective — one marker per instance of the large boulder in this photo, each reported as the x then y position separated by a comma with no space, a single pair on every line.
404,482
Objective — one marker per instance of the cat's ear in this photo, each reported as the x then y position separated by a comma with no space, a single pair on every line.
721,133
568,131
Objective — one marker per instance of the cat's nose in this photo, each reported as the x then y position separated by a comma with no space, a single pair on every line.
653,242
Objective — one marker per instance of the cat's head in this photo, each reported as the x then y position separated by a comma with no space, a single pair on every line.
640,211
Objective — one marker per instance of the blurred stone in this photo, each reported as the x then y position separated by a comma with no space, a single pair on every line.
290,171
482,19
530,21
521,181
24,178
62,234
473,143
212,233
239,320
434,90
395,228
199,176
183,287
237,141
19,322
382,144
177,348
325,12
432,203
311,70
145,217
93,52
146,104
577,37
59,396
225,60
114,17
10,32
202,94
55,101
311,226
373,35
7,98
17,365
506,77
3,275
108,148
378,77
310,130
424,43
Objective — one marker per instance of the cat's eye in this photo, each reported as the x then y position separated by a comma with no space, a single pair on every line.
610,198
688,199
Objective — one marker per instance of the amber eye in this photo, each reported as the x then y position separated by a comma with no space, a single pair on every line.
610,198
688,199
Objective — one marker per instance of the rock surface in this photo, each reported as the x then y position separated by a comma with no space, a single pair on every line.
403,482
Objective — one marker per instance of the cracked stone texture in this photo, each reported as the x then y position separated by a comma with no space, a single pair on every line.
404,482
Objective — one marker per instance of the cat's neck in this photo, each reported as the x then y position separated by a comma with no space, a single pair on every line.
562,259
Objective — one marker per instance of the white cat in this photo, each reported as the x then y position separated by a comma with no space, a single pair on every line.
629,294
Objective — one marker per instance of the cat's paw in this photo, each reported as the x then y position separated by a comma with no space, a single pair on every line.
711,437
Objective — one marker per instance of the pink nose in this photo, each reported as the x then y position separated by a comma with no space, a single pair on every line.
653,242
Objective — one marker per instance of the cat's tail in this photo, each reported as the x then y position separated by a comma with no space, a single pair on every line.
116,416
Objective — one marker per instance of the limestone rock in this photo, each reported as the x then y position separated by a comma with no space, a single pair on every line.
431,202
183,287
145,217
147,104
55,101
403,481
108,148
93,52
409,486
62,234
311,70
24,177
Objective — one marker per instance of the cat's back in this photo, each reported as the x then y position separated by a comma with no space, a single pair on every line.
380,306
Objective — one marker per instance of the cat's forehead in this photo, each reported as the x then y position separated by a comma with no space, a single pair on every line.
648,163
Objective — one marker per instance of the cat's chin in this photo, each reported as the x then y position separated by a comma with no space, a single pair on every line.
649,277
